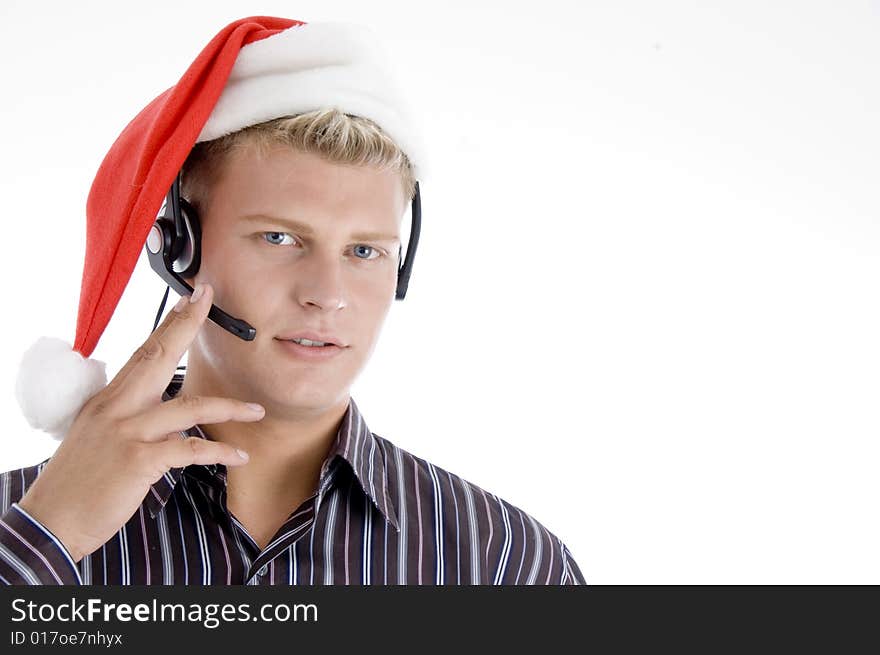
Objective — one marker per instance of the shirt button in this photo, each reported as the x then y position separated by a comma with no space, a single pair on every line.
262,571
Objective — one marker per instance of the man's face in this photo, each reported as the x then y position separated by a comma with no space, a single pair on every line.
326,276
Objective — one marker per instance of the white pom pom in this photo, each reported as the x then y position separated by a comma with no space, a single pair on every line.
54,382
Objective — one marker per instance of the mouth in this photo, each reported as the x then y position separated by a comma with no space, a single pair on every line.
309,353
317,339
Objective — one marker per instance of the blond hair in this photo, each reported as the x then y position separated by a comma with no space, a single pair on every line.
337,137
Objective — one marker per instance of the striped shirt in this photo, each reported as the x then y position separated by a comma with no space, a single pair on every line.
380,516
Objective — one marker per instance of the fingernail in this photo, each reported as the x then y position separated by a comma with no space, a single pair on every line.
242,454
256,407
181,304
197,293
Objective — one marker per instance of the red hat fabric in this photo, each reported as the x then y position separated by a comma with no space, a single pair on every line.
253,70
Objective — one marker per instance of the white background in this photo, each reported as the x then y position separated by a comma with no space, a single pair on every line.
644,307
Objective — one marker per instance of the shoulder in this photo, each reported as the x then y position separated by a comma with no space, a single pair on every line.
513,546
15,483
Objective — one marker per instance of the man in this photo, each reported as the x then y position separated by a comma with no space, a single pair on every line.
295,191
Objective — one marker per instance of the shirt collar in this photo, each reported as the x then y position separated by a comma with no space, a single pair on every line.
355,444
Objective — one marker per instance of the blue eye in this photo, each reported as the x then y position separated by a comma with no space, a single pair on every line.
371,248
275,234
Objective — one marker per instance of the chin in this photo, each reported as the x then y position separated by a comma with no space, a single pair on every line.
301,393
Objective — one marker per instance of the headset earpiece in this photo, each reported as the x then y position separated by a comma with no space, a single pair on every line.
404,269
184,251
189,257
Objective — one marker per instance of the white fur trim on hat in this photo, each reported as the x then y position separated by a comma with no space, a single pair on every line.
314,66
54,382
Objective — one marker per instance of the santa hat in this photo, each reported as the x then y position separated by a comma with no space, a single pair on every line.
255,69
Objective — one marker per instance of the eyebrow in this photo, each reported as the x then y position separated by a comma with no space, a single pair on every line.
306,230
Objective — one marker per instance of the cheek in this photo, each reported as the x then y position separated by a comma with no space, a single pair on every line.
371,297
375,303
225,253
233,273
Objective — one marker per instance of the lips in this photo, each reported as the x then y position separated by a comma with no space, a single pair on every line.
313,336
309,353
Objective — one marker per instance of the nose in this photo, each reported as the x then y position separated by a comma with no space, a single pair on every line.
319,280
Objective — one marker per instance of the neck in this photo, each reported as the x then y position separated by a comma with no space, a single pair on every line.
287,447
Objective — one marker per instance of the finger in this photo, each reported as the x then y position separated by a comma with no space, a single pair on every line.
145,376
183,412
166,455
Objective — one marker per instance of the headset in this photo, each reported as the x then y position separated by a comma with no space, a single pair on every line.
174,249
